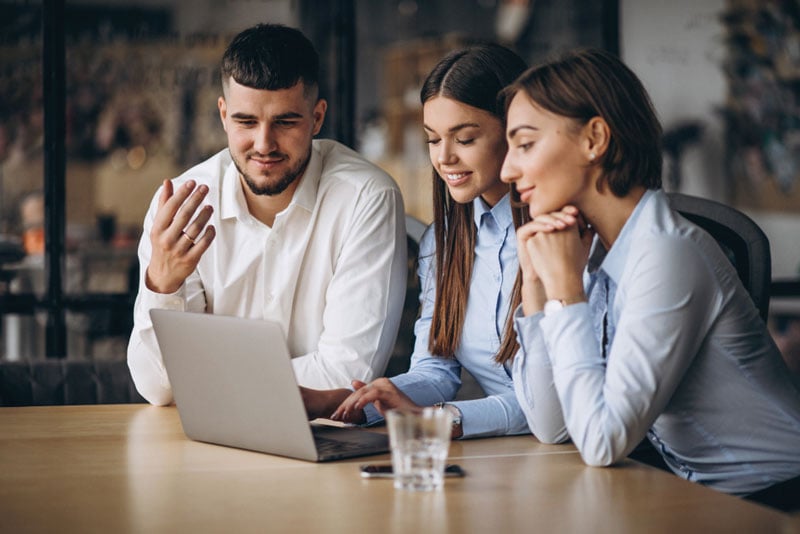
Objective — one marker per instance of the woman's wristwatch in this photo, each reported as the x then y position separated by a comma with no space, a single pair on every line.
455,412
554,306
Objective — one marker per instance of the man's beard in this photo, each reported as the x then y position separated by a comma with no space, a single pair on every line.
279,186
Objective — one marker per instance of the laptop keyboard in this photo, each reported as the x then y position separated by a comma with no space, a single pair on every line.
334,446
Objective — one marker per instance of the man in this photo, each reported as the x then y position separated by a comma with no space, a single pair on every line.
278,226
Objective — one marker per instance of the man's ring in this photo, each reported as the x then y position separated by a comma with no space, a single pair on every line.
183,232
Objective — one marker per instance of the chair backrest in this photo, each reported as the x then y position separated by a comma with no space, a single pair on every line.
401,354
740,238
46,382
415,228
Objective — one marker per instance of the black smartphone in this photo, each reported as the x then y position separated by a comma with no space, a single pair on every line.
385,470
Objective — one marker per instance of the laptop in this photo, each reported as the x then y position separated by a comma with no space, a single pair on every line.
234,385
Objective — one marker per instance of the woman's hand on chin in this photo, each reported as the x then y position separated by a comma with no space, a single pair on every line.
554,248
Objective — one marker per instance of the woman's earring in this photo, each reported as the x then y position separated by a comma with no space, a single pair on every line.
591,156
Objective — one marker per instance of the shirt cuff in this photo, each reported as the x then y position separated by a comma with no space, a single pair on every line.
172,301
527,328
372,414
474,418
569,334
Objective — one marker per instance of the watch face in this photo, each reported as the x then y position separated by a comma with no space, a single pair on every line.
552,306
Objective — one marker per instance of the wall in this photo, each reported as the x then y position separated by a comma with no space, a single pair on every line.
220,17
201,30
676,48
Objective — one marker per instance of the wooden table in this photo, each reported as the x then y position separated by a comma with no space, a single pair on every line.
129,468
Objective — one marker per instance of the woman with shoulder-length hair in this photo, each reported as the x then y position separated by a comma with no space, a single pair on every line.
632,318
468,262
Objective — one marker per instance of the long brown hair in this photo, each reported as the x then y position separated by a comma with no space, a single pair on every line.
474,76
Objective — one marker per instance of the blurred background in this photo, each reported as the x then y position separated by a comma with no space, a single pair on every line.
101,101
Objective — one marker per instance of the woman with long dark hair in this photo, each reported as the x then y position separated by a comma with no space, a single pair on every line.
468,267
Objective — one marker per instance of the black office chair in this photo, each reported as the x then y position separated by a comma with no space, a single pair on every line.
414,229
400,358
739,237
746,246
47,382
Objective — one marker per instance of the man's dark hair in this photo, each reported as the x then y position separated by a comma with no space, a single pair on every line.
271,57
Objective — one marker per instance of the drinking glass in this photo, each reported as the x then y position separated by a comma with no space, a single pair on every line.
419,443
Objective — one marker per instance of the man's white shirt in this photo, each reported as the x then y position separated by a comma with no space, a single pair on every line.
331,270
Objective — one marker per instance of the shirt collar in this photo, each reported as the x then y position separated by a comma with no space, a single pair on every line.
612,262
501,212
305,196
232,200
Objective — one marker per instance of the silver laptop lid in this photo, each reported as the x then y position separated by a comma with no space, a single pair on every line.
233,382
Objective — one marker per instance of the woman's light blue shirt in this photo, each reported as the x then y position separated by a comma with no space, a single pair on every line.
688,361
431,379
